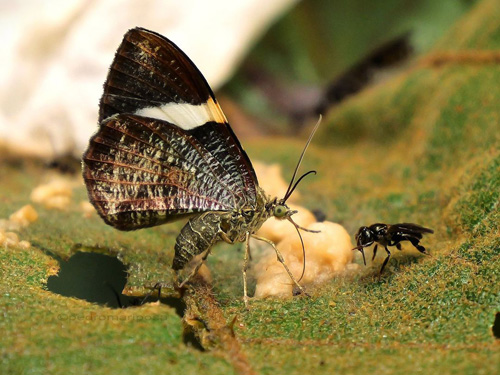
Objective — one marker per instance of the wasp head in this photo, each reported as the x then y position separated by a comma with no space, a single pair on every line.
365,237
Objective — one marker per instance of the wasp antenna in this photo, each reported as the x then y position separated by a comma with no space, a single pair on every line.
288,192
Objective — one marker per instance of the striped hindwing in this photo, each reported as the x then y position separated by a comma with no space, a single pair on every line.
151,77
142,172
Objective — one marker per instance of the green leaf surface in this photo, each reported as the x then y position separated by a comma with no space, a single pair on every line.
422,147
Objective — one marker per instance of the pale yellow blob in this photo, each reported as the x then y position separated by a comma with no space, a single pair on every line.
272,182
203,272
328,253
11,239
87,209
19,219
8,239
276,230
25,245
24,216
55,194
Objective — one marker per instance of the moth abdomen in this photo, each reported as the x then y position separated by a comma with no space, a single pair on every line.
198,235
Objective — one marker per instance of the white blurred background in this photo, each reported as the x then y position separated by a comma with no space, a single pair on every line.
55,56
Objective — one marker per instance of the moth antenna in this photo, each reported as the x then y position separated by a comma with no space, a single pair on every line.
294,186
287,194
303,248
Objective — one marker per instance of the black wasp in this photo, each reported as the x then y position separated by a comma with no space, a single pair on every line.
389,235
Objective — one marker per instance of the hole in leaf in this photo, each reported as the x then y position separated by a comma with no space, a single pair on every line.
100,278
96,278
190,339
496,326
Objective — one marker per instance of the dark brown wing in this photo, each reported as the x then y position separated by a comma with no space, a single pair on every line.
150,76
409,229
149,70
142,172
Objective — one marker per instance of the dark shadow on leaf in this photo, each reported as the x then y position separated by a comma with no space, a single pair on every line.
496,326
100,278
96,278
371,273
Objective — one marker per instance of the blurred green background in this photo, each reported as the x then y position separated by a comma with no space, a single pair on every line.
319,40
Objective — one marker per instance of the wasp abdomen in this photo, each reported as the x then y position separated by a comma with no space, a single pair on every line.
196,237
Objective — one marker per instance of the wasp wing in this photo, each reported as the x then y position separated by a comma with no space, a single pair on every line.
410,229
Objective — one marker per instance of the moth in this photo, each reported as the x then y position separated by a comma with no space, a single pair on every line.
390,235
164,151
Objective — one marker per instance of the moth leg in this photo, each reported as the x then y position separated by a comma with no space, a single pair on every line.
246,260
282,261
374,252
195,269
245,268
386,260
155,287
308,230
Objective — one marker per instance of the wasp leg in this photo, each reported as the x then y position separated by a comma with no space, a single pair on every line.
245,267
362,251
374,252
415,242
398,246
386,260
196,269
282,261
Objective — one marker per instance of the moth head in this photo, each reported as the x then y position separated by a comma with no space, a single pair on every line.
282,211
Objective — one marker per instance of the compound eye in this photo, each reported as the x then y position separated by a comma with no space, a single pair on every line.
280,210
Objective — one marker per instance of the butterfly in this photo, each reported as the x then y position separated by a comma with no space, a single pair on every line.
164,151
